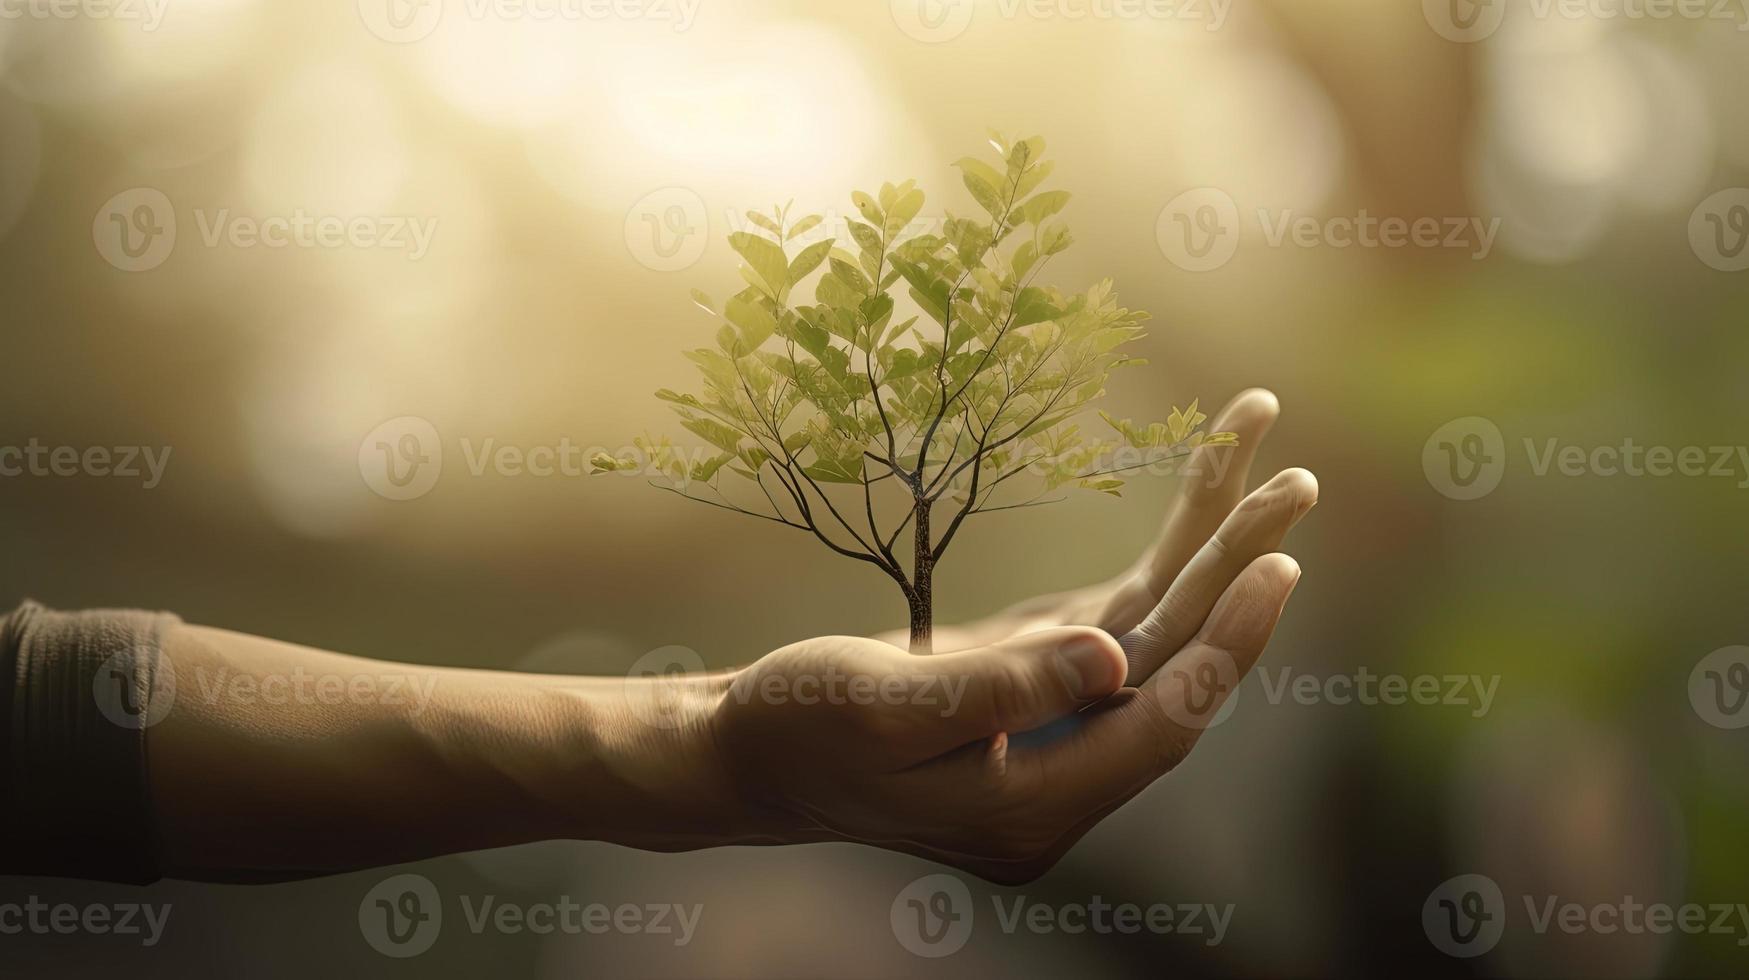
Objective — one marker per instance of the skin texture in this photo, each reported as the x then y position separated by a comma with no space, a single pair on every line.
994,755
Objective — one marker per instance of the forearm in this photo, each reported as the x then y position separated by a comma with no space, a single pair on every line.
284,761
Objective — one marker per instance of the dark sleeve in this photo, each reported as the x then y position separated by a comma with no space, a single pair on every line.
78,693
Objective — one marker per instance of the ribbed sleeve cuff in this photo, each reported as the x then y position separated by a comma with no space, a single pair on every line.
79,691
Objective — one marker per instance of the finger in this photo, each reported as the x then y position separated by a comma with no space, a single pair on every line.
1255,528
1135,737
1214,478
1014,686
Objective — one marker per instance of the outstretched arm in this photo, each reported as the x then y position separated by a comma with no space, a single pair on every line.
281,760
278,761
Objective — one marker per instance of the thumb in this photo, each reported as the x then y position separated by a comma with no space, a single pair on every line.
1019,684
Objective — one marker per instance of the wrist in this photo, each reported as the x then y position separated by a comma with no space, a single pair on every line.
647,769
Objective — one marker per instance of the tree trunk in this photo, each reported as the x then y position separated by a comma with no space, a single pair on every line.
922,584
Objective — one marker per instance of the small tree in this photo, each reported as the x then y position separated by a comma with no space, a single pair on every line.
851,420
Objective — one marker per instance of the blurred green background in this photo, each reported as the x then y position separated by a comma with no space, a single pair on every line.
552,153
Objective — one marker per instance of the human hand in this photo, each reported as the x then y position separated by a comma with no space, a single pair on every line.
994,760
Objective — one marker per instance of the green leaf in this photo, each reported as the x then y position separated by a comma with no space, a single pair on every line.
753,322
866,237
930,292
765,222
902,211
766,259
984,183
867,207
809,260
1104,486
1034,306
1032,178
605,463
716,433
834,471
704,302
1044,206
705,470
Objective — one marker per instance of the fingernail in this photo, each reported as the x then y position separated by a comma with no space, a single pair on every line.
1087,668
